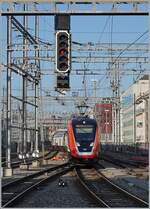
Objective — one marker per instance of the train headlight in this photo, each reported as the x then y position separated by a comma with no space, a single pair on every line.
78,145
92,143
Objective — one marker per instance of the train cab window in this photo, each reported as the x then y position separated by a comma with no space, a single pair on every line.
84,132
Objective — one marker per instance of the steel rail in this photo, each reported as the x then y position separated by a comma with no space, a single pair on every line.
128,194
123,163
10,184
109,191
32,184
29,161
83,183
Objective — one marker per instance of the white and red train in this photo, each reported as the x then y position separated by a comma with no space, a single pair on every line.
83,139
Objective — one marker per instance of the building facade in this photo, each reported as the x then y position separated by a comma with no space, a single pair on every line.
134,113
142,119
103,113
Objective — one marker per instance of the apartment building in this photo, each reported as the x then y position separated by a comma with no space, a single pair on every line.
134,113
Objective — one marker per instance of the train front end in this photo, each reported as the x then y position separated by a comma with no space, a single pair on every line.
83,139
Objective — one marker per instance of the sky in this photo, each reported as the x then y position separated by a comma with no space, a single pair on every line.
95,29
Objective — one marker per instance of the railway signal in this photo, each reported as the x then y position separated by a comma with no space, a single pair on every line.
63,81
62,51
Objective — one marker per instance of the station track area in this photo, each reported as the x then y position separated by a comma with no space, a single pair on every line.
20,171
14,191
138,171
59,183
59,189
124,163
16,163
131,178
105,192
125,160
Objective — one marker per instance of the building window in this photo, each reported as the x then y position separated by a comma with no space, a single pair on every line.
139,124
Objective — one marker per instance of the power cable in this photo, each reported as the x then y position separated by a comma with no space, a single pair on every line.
129,46
99,40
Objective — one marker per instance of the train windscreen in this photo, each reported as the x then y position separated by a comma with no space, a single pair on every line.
84,132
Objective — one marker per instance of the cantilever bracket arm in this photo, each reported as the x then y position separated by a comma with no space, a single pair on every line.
19,26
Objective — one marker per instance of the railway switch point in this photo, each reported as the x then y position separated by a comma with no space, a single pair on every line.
8,172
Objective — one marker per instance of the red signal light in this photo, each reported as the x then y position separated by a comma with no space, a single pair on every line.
62,52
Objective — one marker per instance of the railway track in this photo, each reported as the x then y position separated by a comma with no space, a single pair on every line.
118,163
123,163
14,191
105,192
16,164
